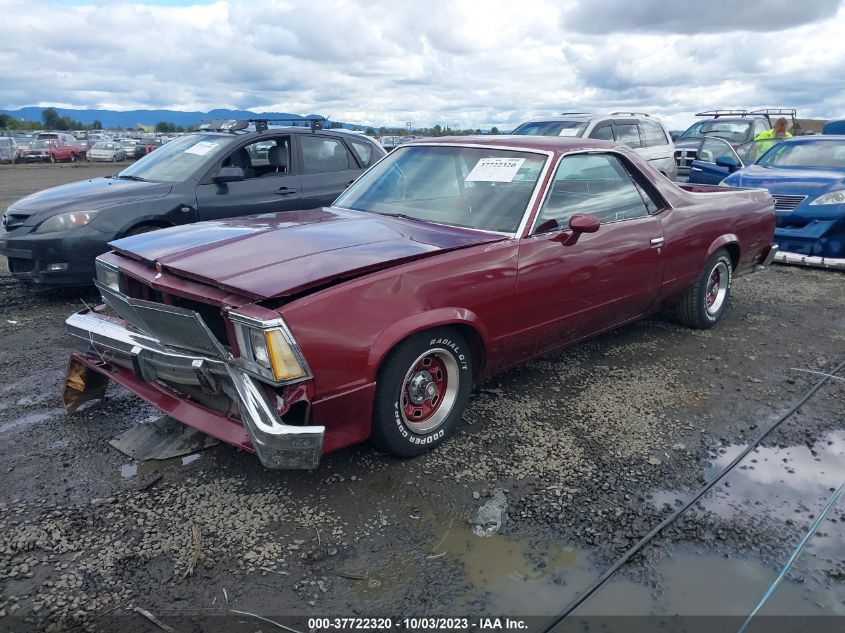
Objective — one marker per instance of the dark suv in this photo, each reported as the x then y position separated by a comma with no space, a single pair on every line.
225,169
734,126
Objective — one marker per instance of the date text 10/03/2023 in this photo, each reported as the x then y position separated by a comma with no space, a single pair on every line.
416,624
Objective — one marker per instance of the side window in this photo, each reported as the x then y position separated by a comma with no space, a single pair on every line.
759,127
627,134
597,184
321,154
603,133
364,151
653,133
267,157
712,148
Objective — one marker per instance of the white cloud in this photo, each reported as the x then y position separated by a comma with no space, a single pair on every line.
454,62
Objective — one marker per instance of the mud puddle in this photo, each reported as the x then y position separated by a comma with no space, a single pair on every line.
783,487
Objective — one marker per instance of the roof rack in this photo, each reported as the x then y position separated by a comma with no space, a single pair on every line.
223,125
576,113
631,114
719,113
261,125
776,111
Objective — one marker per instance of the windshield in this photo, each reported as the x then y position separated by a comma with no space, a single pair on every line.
552,128
41,144
176,160
818,154
732,131
104,146
470,187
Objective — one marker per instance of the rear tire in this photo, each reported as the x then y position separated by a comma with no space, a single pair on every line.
422,389
707,299
73,158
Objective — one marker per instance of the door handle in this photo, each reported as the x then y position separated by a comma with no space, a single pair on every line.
695,169
657,241
285,191
350,182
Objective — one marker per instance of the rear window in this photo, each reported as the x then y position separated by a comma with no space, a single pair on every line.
551,128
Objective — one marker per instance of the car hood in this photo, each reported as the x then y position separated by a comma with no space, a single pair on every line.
687,143
97,193
282,254
787,180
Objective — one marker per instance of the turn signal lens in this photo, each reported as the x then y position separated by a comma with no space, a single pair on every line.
284,362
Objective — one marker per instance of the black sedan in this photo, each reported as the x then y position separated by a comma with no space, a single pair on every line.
227,169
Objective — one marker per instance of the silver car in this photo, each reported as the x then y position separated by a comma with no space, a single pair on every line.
110,151
131,146
641,132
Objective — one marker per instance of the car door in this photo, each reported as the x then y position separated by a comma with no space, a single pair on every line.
328,168
267,187
567,292
704,170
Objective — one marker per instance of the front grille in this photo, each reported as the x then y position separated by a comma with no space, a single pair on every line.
13,220
788,203
211,314
18,265
684,157
175,326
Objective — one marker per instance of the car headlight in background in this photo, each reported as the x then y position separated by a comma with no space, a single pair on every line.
831,197
268,350
107,274
66,221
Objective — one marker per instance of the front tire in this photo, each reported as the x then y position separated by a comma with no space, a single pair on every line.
73,158
707,299
422,389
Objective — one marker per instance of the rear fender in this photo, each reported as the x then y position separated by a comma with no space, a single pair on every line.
728,241
397,332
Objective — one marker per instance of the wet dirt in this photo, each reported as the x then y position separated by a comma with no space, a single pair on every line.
585,442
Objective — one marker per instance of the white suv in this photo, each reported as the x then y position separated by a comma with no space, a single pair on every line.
641,132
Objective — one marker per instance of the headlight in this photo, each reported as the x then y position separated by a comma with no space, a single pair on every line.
107,274
831,197
268,350
66,221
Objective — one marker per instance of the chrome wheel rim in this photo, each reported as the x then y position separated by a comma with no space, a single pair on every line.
717,289
429,391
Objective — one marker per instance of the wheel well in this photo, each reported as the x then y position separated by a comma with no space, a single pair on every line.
476,346
733,251
152,224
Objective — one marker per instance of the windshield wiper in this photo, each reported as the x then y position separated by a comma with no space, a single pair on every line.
138,178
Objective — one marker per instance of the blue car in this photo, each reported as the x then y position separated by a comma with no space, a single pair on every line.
806,177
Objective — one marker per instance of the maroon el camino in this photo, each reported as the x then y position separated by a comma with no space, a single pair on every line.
295,334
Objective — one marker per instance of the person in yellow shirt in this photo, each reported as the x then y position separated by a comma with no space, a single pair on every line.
768,139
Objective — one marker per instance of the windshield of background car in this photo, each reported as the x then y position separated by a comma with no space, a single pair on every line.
103,146
552,128
819,154
42,144
471,187
176,160
733,132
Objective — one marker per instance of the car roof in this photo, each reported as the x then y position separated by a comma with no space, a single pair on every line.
522,142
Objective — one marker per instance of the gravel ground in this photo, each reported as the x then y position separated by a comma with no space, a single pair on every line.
584,445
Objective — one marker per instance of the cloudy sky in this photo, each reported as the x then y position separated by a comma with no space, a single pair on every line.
455,62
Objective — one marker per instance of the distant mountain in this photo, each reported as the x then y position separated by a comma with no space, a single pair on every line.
131,118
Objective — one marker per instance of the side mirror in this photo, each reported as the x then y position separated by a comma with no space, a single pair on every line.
675,136
229,174
581,223
728,161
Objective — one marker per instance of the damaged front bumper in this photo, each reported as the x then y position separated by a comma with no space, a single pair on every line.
155,371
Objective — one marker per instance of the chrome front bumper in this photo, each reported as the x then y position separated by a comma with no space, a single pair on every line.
808,260
278,445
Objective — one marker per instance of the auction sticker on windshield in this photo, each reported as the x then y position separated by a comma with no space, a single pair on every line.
495,170
202,148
